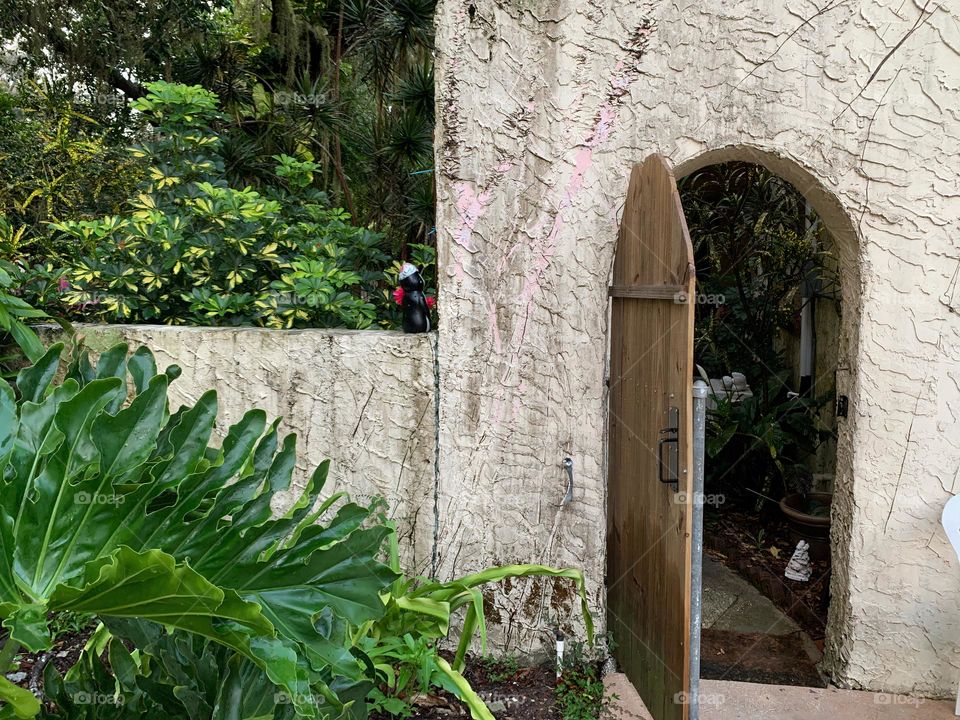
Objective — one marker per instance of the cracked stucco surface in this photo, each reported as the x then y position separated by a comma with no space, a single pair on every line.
542,108
365,400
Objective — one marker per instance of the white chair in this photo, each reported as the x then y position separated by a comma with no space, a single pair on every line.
951,526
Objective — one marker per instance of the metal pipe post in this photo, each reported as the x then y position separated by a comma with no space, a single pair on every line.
700,391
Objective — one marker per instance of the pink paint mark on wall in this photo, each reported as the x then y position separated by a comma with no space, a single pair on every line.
583,160
518,403
494,327
622,77
471,207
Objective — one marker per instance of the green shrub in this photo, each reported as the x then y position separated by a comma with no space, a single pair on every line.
759,450
57,163
113,508
193,249
14,317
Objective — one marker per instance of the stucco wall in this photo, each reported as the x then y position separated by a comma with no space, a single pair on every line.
363,399
542,108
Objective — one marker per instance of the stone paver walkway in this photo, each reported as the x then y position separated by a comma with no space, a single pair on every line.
731,603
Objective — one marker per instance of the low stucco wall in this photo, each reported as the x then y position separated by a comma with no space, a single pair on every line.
363,399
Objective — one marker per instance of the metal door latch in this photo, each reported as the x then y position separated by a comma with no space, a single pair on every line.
668,450
843,406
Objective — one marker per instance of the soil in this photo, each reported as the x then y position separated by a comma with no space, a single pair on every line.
527,694
758,549
754,657
64,655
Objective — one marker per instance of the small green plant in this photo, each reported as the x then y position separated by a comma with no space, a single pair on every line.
580,693
70,623
758,449
499,669
403,643
760,538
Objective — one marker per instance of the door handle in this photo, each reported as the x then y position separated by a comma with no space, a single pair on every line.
668,450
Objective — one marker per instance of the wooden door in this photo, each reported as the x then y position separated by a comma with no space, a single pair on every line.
649,507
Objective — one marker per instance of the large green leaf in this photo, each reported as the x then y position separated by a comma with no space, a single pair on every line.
111,505
456,683
151,585
23,703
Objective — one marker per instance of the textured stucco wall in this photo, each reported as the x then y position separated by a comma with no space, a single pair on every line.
365,400
542,107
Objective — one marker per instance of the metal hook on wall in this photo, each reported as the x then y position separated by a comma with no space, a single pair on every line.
568,466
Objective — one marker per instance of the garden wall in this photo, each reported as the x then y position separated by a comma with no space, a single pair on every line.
364,399
542,109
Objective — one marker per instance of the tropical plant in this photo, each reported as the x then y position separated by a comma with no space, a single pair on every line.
349,82
403,643
758,248
112,506
184,675
174,675
757,449
14,315
57,163
756,243
194,250
101,47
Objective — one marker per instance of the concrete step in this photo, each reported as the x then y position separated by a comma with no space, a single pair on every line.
724,700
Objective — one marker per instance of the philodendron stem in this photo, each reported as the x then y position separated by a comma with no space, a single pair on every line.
8,653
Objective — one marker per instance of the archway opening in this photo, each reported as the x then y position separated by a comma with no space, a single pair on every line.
776,312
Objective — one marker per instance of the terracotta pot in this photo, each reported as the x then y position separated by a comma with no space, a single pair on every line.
815,529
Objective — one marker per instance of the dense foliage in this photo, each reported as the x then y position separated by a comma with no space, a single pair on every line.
350,83
15,316
119,508
323,135
194,249
57,163
756,243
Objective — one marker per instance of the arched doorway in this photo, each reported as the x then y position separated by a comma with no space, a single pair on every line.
796,355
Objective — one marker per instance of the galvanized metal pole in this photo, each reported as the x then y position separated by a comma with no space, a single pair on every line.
700,390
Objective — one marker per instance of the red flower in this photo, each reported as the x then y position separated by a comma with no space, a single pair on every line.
63,284
431,302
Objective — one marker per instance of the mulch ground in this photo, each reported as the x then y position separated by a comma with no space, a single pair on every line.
64,655
758,549
527,695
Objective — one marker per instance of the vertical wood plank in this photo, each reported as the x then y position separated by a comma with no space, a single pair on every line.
651,369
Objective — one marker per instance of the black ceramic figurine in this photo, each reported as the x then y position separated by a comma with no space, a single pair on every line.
416,314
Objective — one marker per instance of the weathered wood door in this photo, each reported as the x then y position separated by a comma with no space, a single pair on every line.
650,443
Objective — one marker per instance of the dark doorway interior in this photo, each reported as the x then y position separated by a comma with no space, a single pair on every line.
767,326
